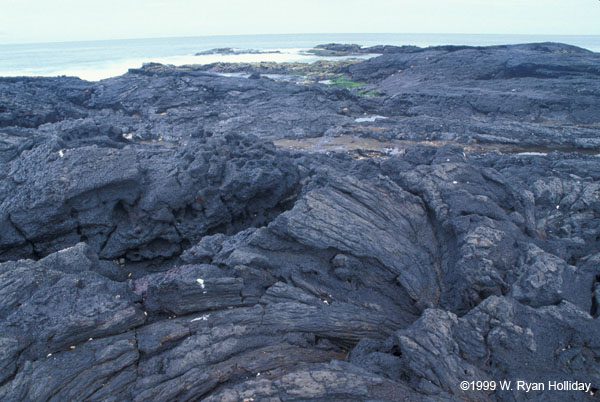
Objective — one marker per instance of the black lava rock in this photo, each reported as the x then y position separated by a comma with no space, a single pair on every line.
156,245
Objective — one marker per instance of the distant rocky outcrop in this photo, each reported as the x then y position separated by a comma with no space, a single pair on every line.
231,51
341,49
335,49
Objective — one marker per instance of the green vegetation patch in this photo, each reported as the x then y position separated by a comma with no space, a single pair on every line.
343,82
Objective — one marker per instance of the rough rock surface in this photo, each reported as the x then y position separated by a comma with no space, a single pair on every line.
156,246
534,94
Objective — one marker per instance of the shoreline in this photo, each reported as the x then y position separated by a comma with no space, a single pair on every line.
104,59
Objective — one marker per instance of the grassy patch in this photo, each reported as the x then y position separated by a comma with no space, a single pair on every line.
343,82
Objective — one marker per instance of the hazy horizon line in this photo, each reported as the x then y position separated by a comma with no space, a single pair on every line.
299,34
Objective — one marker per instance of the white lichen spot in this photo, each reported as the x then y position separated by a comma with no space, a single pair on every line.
202,318
200,282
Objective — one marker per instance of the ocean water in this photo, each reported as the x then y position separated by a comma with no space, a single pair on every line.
96,60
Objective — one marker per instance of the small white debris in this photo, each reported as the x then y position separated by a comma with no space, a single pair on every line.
146,314
369,119
203,318
532,154
129,276
49,355
71,347
61,153
558,207
127,136
454,182
326,302
90,339
397,151
117,296
258,374
200,282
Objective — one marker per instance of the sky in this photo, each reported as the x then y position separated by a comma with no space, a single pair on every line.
23,21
